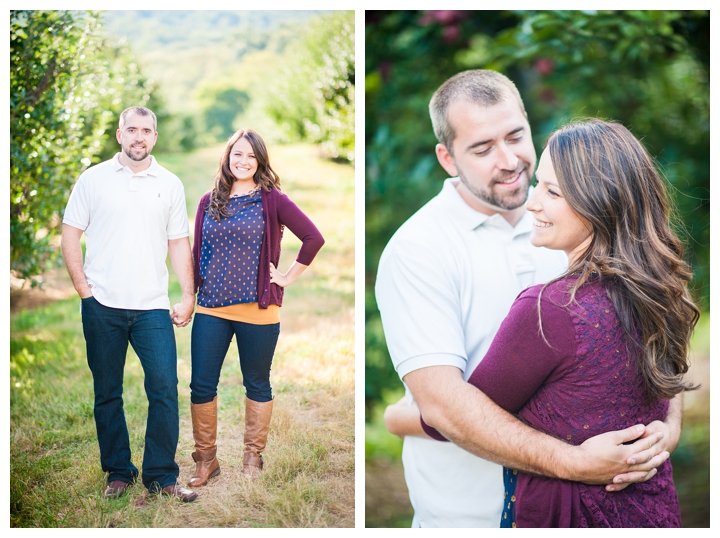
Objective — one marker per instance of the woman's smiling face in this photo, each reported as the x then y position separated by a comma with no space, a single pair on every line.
243,163
556,226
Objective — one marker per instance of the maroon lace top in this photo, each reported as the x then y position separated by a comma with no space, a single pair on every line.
583,384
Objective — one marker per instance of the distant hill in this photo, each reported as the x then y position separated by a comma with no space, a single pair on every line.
184,50
179,30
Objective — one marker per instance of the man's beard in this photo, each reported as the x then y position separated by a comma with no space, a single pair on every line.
129,153
506,201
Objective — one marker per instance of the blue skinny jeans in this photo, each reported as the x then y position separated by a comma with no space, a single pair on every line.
211,337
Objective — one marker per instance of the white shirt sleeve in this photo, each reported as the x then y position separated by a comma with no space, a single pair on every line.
419,301
77,211
177,226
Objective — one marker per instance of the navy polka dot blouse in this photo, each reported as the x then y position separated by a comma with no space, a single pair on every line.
230,254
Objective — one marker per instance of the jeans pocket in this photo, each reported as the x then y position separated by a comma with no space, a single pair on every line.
85,301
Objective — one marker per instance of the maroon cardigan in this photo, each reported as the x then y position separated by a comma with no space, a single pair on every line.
580,382
279,211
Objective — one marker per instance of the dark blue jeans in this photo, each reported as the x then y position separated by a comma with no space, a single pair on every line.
150,332
211,337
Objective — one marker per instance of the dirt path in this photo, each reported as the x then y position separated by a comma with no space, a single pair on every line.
56,286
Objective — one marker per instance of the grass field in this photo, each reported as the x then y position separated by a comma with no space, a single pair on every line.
56,480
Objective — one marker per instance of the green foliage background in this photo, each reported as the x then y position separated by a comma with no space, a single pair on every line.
647,69
204,73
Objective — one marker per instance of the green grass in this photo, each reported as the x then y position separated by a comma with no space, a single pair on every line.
55,475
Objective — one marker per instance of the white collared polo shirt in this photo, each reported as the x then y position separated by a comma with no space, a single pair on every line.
128,218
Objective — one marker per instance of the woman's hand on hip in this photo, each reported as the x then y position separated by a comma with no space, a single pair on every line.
276,277
285,279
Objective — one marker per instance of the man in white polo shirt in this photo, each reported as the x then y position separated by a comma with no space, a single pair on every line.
132,212
445,282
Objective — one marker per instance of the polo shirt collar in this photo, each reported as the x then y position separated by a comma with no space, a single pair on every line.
469,219
463,214
152,170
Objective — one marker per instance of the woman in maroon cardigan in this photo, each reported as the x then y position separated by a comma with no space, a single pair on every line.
236,250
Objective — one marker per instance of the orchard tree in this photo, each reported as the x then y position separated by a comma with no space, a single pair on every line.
67,88
313,96
221,105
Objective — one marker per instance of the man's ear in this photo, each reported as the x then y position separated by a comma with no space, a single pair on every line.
446,160
118,136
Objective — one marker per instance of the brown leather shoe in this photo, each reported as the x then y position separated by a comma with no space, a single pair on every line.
179,492
116,489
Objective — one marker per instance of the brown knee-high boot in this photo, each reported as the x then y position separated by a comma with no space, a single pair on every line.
257,425
204,419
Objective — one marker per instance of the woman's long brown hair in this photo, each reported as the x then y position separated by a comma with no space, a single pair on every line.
608,179
265,176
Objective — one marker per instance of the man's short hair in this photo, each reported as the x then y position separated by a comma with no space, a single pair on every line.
140,111
479,86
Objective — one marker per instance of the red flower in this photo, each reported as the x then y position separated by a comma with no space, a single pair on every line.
444,17
548,95
384,69
544,66
451,34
